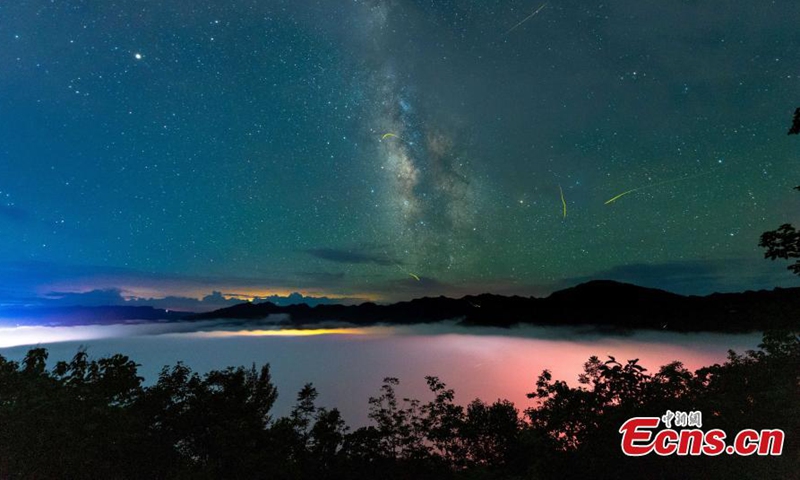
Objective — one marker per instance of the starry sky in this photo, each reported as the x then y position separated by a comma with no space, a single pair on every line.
391,149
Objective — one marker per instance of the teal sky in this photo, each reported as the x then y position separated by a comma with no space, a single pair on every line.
153,149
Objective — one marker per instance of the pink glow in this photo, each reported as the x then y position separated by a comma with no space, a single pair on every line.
348,368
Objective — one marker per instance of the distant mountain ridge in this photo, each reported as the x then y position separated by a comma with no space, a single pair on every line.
83,315
601,303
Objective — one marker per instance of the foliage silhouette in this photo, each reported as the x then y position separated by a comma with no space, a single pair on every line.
784,242
795,128
91,418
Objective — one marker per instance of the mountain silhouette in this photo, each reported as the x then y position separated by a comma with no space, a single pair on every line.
600,303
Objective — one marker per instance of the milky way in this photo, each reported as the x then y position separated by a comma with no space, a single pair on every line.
150,149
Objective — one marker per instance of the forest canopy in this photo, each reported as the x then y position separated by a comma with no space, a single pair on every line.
95,418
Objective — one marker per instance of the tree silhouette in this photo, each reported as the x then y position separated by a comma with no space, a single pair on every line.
784,243
795,129
89,418
755,390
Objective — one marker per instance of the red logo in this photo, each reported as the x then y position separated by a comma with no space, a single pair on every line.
641,437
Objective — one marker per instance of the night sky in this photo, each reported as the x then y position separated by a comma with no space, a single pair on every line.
152,149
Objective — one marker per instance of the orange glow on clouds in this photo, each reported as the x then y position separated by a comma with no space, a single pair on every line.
133,289
290,332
